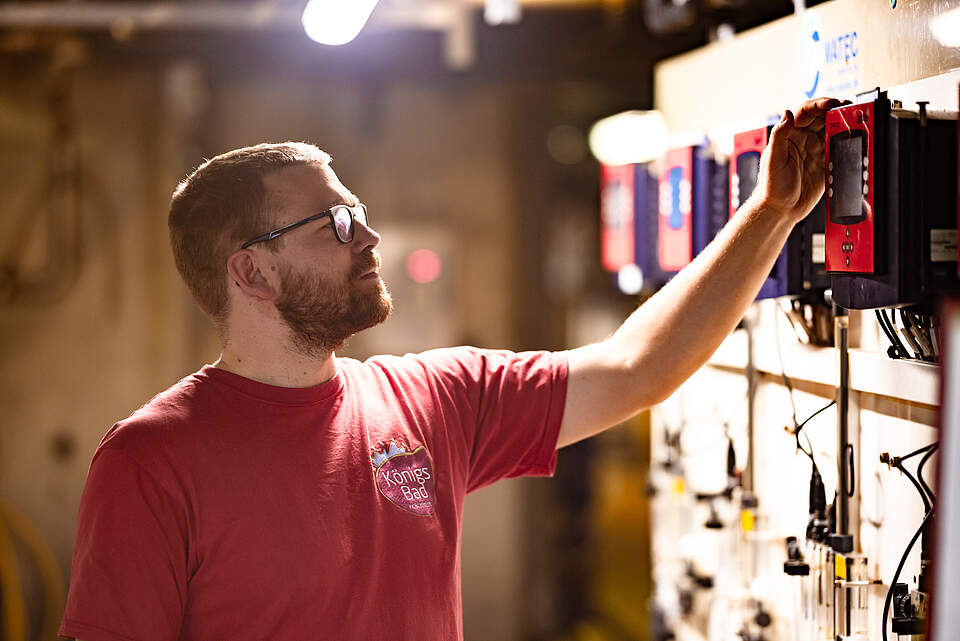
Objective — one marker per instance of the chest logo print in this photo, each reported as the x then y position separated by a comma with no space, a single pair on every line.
405,478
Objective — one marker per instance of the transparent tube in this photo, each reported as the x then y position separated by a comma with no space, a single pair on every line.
806,625
825,626
851,610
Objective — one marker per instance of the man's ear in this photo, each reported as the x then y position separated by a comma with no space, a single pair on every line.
246,272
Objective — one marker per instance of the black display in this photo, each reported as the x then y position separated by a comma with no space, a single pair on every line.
748,168
846,160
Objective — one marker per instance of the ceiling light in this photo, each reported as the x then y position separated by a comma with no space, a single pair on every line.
497,12
946,28
336,22
629,137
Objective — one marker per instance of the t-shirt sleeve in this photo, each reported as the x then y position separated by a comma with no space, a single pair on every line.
512,410
129,573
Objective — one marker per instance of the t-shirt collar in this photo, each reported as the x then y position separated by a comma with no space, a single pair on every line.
274,393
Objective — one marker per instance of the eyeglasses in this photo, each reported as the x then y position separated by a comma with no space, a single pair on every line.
341,217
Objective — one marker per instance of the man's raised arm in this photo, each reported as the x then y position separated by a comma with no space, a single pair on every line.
672,335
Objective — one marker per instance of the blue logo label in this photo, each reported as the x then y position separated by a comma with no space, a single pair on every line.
828,63
676,216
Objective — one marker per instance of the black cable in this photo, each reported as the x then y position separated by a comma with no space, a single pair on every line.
917,451
883,325
822,409
901,348
923,462
783,370
923,495
797,427
896,575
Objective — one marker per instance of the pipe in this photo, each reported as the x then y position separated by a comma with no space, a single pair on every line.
841,338
226,16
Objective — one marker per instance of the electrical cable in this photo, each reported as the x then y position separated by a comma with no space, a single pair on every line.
783,369
46,564
13,608
797,426
923,462
917,451
901,347
896,575
800,429
923,495
822,409
880,320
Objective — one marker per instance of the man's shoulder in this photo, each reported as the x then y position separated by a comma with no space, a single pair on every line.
464,363
430,361
160,419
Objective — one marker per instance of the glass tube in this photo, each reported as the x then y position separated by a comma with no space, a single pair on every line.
851,610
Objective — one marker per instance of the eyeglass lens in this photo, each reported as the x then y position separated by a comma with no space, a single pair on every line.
343,219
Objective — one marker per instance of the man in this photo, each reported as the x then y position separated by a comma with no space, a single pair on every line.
285,493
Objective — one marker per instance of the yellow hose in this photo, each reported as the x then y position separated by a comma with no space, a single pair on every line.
14,612
53,589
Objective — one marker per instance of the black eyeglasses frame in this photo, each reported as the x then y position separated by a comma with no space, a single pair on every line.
329,213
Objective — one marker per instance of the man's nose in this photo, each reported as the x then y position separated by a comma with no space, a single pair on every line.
364,237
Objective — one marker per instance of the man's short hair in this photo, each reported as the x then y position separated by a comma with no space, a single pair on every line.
218,207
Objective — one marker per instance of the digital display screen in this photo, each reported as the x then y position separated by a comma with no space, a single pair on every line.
846,155
748,169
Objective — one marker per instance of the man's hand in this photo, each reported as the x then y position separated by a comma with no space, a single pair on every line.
791,168
674,333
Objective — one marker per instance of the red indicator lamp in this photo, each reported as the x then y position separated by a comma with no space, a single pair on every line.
424,266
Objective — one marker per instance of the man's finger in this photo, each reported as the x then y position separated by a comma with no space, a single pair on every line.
813,112
780,139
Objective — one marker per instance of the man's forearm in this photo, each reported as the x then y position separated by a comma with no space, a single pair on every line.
673,333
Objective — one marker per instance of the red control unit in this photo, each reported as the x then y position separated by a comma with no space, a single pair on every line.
745,164
852,136
891,203
617,216
797,271
675,220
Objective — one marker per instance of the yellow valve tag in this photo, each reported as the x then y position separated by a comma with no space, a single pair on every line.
678,486
746,520
840,566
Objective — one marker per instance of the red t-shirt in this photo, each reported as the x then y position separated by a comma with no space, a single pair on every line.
230,510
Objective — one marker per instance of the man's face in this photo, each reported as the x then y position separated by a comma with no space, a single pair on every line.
328,290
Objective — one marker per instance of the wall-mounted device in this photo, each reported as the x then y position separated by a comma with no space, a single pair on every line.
799,268
628,202
891,220
690,205
617,216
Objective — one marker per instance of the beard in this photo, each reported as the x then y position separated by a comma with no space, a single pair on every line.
322,314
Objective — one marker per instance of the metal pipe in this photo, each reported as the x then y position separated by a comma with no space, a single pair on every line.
841,325
151,16
748,472
226,16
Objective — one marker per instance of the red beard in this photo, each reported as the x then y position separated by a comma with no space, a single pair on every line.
322,315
